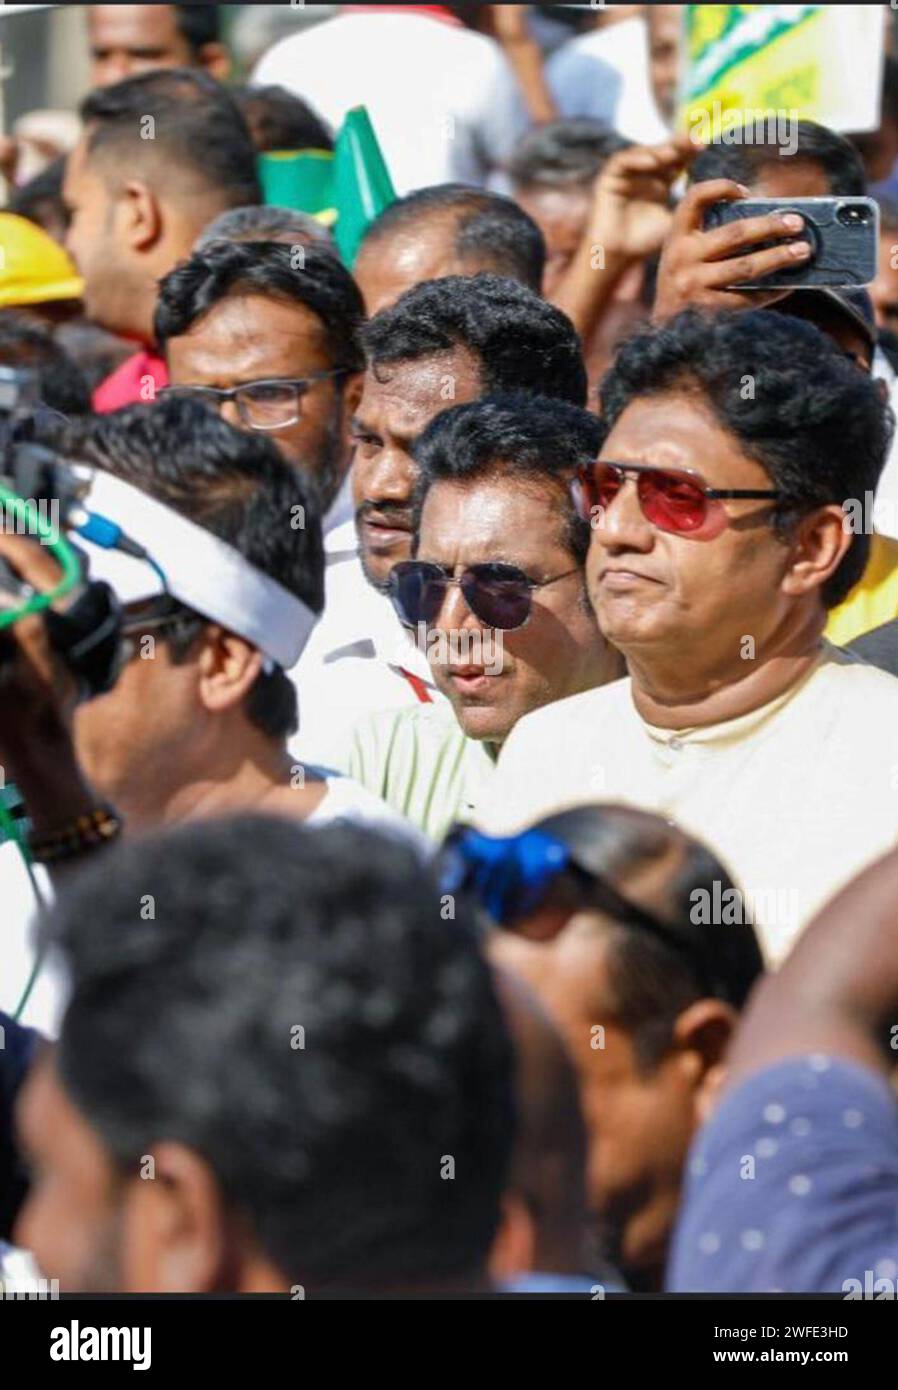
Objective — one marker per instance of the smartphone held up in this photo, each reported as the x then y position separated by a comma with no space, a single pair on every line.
843,235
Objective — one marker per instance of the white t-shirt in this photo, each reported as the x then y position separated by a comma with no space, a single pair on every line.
429,88
605,74
795,797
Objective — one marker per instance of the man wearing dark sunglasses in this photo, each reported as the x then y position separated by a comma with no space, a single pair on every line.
601,911
494,595
443,343
719,542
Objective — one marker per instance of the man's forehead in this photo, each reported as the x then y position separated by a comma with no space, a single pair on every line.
424,385
124,24
271,326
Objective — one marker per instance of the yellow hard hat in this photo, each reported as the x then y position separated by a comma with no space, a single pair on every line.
34,269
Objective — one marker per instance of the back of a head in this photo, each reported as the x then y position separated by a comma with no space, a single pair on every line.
178,126
61,383
761,147
312,1028
522,342
652,980
317,280
41,200
489,232
815,423
563,154
279,120
266,222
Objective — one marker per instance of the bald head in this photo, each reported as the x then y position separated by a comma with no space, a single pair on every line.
447,230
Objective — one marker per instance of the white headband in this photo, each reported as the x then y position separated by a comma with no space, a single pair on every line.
200,571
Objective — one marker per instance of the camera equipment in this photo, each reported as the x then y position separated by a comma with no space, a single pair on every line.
33,480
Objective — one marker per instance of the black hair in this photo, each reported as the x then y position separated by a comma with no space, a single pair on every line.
651,981
318,281
530,439
521,341
279,120
266,222
236,485
758,149
40,199
489,229
814,423
198,24
197,127
564,153
61,383
301,1016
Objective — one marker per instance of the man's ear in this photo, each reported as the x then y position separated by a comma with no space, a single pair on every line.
139,216
176,1233
228,667
352,394
215,60
819,544
702,1034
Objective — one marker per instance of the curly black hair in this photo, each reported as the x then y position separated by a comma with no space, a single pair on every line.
522,343
316,280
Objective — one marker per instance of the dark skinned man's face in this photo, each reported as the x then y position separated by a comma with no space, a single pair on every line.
251,337
493,678
398,400
129,39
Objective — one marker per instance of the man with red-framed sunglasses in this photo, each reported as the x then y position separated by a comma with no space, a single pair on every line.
720,539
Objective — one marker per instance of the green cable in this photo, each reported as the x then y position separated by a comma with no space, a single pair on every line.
58,546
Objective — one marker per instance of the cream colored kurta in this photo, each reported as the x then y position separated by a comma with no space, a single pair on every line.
795,797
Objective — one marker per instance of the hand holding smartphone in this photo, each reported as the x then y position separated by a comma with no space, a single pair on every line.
842,235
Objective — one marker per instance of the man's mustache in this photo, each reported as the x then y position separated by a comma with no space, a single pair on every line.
387,512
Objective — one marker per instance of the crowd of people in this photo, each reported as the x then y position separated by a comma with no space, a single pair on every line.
475,871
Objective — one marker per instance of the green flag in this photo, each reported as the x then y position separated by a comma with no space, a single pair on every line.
362,183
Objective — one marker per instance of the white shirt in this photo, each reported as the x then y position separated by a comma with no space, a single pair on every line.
795,797
427,86
358,659
605,74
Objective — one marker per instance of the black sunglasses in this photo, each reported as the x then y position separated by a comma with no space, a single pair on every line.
500,595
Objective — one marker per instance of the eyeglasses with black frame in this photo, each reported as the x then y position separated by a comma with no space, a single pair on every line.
498,594
271,403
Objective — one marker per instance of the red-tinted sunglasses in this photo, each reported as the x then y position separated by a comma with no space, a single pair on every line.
673,499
